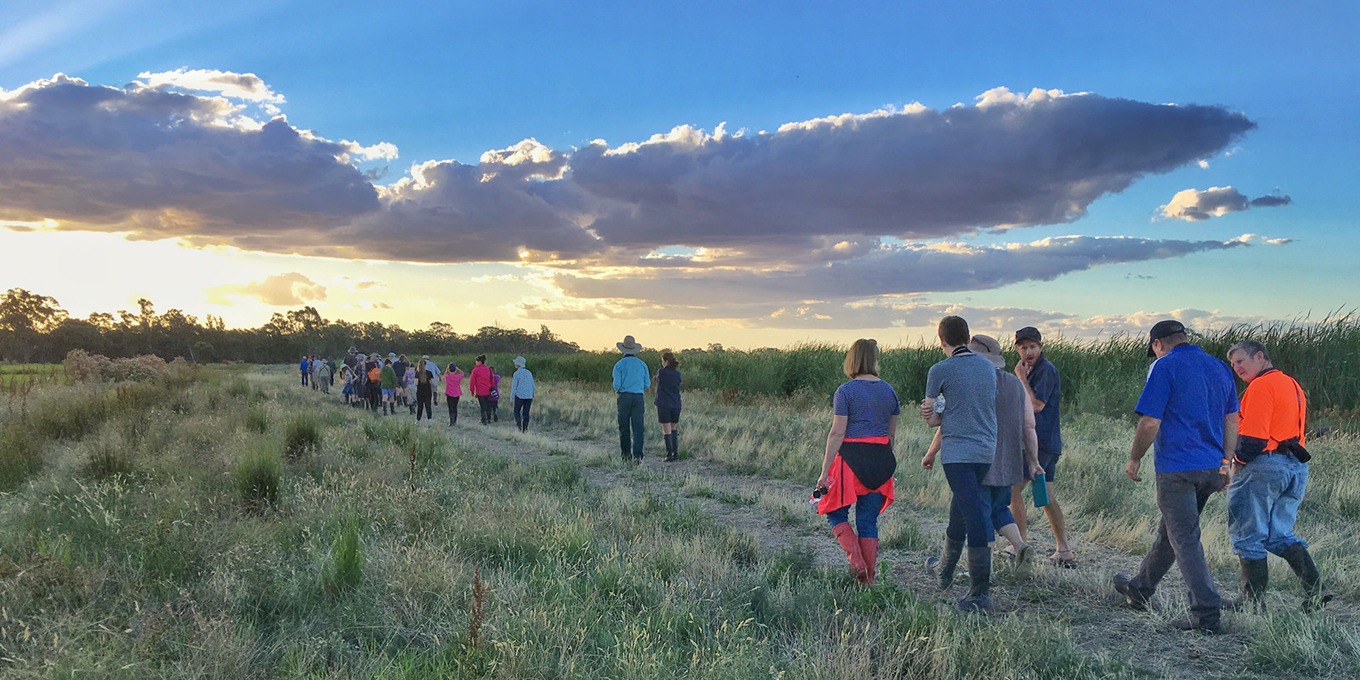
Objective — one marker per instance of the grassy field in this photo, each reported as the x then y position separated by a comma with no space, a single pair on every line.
232,524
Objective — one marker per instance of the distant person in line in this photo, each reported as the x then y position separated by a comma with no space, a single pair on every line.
522,391
1041,381
314,368
388,376
631,379
858,463
306,368
347,380
424,393
668,403
479,384
324,375
1188,410
433,368
495,397
453,389
351,358
1270,476
405,379
373,370
967,425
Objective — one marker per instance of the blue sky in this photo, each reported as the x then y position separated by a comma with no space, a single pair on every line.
454,82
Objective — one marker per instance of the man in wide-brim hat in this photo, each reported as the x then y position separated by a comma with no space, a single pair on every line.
631,379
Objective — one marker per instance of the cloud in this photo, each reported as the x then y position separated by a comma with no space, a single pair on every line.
280,290
888,270
160,158
1193,205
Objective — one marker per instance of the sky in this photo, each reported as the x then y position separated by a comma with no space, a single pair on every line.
745,174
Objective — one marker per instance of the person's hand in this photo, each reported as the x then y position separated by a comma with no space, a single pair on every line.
928,461
926,409
1132,469
1035,470
823,482
1022,369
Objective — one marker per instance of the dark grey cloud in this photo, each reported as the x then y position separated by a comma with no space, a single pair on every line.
890,270
158,160
1193,205
163,164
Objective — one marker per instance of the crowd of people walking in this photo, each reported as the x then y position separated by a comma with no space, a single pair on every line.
996,432
386,383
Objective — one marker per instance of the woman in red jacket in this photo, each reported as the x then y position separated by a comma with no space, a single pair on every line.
479,383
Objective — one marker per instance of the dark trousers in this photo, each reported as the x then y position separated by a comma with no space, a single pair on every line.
484,401
423,398
453,409
969,511
304,377
522,413
1181,497
630,424
374,395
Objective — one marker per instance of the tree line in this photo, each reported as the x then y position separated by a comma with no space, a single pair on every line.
35,328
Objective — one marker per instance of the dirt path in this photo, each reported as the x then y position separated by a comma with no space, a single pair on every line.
1080,598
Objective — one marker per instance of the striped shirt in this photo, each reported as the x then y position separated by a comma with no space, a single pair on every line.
867,406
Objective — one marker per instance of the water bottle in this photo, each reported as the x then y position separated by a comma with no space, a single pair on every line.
1040,487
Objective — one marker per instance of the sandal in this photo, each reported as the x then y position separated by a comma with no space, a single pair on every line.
1064,559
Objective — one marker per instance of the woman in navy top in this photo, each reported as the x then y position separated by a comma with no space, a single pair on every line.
858,464
668,403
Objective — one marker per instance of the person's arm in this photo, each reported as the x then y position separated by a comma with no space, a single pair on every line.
892,429
834,439
1229,447
928,460
928,412
1148,427
1031,440
618,377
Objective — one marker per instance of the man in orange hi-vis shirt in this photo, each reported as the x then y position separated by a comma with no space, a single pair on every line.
1270,475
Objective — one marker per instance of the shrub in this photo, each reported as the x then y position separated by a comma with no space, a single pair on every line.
20,456
138,369
257,419
81,366
108,459
303,434
344,570
259,476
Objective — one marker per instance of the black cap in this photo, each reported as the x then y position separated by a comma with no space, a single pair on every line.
1028,333
1161,330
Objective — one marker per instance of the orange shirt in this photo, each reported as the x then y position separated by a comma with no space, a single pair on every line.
1273,408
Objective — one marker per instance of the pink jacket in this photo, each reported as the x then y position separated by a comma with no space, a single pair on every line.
453,384
479,381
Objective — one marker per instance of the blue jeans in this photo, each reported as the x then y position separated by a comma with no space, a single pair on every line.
630,424
867,508
1263,504
522,412
999,499
969,511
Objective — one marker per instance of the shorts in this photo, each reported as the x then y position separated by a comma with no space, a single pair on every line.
389,392
1049,462
667,415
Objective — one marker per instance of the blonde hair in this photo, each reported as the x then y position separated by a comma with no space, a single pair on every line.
862,359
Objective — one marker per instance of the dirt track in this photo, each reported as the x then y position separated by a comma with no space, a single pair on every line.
1081,598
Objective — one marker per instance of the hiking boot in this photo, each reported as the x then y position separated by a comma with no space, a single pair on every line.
1133,598
1301,562
943,566
1254,577
845,536
979,597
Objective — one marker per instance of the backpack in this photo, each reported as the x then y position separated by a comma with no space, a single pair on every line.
375,374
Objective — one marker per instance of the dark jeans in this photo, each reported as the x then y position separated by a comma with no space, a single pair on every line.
453,409
423,404
999,498
484,401
304,377
867,509
522,412
374,395
1181,497
969,511
630,424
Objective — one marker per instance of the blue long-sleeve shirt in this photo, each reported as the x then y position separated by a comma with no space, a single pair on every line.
631,375
522,384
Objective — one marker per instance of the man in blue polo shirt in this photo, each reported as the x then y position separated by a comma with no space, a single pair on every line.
631,379
1189,410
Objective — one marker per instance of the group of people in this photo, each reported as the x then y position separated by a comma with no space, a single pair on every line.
998,431
375,382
